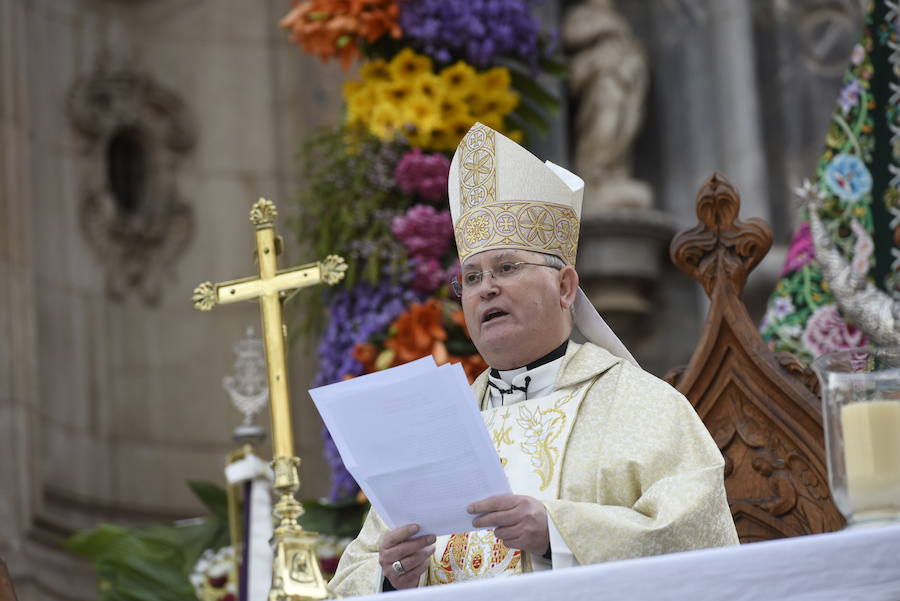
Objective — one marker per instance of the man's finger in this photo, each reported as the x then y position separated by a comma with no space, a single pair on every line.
496,519
498,503
416,561
507,534
399,535
407,548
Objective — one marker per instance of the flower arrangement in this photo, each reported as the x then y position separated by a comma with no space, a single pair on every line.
377,183
432,109
213,576
335,28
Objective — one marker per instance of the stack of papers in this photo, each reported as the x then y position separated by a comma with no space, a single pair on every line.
414,440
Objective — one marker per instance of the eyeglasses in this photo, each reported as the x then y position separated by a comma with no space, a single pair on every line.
507,269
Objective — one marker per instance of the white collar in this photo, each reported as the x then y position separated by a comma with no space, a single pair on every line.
521,384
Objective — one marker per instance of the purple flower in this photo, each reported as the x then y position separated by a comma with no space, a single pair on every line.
354,316
849,97
801,250
423,174
424,231
427,274
477,31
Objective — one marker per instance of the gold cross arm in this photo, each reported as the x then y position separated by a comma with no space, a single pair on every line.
330,271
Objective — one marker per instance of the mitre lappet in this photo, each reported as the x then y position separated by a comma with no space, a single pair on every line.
504,197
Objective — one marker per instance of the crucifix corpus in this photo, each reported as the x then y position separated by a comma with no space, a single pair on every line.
295,571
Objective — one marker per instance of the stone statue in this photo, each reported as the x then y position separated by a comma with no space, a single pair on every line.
608,80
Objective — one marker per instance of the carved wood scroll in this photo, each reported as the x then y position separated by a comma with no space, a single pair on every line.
761,408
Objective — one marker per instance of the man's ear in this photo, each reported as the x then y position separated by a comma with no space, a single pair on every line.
568,286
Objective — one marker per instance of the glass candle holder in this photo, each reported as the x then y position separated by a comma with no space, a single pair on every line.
861,417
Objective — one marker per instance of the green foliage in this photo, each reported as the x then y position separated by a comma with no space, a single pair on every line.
346,207
152,563
343,518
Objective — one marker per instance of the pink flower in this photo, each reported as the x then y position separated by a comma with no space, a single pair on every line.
427,275
826,331
801,250
423,174
424,231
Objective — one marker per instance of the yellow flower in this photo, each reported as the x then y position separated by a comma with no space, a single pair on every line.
516,135
421,112
458,127
409,65
496,79
451,108
385,121
492,120
441,138
375,70
503,102
859,211
460,79
430,85
420,137
396,92
351,87
359,107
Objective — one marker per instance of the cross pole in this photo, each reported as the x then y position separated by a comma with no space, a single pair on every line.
295,570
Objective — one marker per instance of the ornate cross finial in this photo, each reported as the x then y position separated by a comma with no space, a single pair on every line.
263,213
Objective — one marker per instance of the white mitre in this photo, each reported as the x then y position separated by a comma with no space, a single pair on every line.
502,196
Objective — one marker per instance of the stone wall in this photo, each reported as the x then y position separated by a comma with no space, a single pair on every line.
110,382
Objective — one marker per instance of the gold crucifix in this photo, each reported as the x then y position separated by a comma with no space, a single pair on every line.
295,571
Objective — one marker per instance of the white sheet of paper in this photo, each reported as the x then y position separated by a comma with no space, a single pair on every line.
415,441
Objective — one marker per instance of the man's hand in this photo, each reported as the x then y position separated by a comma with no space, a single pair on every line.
518,520
412,553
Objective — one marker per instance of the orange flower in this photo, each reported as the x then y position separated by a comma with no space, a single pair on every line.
417,332
365,353
331,28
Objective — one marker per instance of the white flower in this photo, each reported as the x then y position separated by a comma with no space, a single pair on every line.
782,307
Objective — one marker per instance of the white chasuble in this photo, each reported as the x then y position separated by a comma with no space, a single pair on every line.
625,469
530,438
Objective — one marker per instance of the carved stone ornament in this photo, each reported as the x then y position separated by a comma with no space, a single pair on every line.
133,136
760,408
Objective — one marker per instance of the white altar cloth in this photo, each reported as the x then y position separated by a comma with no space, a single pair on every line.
859,565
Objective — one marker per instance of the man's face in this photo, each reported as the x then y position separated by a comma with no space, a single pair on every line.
517,319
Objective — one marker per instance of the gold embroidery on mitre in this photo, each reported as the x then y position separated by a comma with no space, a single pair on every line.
486,224
478,168
528,225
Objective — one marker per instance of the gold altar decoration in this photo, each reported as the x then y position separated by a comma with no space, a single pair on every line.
295,570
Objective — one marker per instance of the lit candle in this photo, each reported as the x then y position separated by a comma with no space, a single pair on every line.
872,453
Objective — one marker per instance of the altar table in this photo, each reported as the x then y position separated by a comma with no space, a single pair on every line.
859,565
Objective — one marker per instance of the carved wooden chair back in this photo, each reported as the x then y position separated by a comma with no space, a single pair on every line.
762,408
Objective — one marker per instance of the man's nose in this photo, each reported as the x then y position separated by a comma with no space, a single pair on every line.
488,285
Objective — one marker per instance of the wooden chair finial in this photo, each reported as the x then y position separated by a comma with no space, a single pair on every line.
721,249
